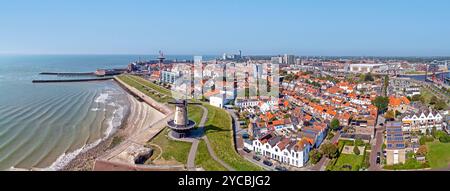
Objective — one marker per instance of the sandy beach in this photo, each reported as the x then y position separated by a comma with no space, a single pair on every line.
140,116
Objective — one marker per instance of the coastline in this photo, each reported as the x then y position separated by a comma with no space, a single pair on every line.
85,160
140,115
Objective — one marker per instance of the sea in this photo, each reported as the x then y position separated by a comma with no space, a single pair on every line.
45,126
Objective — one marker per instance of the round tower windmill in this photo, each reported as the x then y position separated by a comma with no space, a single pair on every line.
181,126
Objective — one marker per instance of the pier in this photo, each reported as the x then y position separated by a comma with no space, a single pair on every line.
68,73
72,80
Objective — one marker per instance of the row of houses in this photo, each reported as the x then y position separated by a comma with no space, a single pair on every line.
289,148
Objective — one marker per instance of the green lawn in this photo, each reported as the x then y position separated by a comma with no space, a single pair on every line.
195,114
426,94
172,150
219,132
345,159
438,154
151,85
130,80
203,159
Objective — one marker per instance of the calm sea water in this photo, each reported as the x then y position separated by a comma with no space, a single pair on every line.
47,125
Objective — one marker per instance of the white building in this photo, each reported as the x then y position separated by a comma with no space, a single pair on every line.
423,121
412,91
255,103
283,150
364,68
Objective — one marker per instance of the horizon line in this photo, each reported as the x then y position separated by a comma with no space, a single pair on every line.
219,55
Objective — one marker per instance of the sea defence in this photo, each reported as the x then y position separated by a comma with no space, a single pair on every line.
158,106
71,80
68,73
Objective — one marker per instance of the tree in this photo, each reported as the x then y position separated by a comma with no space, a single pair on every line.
433,100
368,77
315,156
330,150
441,105
381,103
416,98
409,98
424,139
356,150
386,84
444,139
335,124
359,142
433,131
389,115
422,151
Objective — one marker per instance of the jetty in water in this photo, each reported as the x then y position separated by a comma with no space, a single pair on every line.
72,80
98,75
68,73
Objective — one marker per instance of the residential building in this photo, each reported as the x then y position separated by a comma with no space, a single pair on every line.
399,104
169,77
363,68
395,144
422,121
284,150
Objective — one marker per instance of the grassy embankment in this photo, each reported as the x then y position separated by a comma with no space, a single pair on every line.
150,89
204,160
220,134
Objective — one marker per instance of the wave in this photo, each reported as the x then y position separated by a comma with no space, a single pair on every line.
102,98
65,159
113,124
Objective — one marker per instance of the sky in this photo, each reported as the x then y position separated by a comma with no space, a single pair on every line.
214,27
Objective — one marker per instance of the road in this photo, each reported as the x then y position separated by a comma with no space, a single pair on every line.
375,149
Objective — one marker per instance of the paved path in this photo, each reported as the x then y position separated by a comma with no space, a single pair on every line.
192,154
195,142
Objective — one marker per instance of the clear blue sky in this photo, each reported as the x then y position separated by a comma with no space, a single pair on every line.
308,27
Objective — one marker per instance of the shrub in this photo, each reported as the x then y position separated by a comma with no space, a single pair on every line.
444,139
356,150
315,156
423,150
359,142
329,150
423,140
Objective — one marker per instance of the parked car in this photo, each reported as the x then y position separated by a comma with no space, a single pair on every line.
245,136
247,150
257,158
378,157
281,168
347,166
267,163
